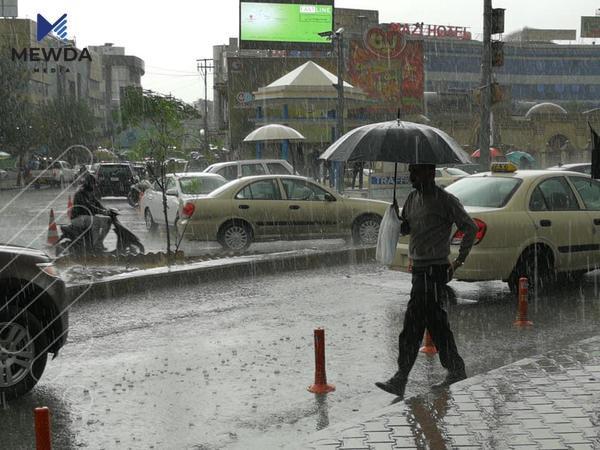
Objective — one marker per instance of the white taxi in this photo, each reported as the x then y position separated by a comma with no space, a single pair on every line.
540,224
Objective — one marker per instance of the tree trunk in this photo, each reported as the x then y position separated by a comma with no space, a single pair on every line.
165,208
19,169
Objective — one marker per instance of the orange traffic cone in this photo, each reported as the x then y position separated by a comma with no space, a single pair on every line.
429,346
52,230
522,320
69,207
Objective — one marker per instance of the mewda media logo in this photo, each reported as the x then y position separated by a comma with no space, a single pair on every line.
44,27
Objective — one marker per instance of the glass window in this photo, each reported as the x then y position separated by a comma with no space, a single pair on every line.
200,185
228,172
260,190
170,183
252,169
303,190
537,201
487,192
438,173
278,169
589,190
456,172
558,195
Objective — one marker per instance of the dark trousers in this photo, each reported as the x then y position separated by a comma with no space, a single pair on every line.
425,310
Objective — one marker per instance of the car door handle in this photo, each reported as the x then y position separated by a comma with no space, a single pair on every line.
596,221
244,207
294,207
546,223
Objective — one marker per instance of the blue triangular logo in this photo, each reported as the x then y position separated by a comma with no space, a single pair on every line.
44,27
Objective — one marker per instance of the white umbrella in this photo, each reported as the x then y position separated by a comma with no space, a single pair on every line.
4,155
274,132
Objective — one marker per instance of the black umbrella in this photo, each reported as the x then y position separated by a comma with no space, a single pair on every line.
398,142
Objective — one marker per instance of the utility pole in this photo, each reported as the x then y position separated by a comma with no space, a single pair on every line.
339,114
204,66
486,87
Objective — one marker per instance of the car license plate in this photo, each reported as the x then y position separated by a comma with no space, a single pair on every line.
114,179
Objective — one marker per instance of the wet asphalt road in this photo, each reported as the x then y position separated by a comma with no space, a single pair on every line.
226,364
24,221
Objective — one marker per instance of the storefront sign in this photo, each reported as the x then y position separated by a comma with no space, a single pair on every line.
427,30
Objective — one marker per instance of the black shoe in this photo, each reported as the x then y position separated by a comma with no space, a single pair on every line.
395,386
451,378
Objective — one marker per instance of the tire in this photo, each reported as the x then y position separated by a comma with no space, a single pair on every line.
28,366
133,198
235,235
150,223
525,267
366,229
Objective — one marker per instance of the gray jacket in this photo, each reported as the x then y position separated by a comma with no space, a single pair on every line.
430,217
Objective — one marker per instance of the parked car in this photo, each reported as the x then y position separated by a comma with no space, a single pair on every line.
528,219
114,179
272,207
250,167
196,165
445,176
54,173
33,317
576,167
183,189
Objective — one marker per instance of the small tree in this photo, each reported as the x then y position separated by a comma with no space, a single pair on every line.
162,118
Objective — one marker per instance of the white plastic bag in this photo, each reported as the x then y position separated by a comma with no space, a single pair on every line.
387,240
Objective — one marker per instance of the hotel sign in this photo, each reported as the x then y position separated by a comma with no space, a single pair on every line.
427,30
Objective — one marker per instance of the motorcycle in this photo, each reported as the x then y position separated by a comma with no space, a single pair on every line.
133,198
78,240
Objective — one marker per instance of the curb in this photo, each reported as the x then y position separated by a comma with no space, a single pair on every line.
209,271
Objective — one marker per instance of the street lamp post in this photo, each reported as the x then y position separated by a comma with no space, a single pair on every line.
338,37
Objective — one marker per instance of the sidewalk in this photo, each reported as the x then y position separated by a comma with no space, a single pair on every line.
550,401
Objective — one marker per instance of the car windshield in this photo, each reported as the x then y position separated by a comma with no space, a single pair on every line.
114,171
488,192
200,185
458,172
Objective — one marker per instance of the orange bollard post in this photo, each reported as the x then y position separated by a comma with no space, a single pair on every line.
429,346
43,437
52,230
320,386
69,207
522,320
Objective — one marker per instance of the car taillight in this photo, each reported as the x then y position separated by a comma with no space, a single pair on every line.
188,209
481,228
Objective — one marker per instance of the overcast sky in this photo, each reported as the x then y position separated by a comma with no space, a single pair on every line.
170,35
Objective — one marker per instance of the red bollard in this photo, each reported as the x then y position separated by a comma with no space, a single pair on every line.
320,386
429,346
43,438
522,320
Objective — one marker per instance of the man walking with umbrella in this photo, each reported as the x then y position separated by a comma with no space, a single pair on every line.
428,215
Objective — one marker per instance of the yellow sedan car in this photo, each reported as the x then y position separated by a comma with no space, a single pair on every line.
273,207
540,224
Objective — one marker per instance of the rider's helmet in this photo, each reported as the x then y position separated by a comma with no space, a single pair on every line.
89,182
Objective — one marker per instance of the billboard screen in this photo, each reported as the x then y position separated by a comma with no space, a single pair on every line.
285,25
590,26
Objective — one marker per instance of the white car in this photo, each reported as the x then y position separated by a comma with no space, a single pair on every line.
250,167
445,176
540,224
182,190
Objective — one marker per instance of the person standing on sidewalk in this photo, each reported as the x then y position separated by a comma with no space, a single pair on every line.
428,215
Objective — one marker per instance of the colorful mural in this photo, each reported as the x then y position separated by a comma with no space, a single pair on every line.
390,69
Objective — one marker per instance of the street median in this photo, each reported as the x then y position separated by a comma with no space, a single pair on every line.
219,269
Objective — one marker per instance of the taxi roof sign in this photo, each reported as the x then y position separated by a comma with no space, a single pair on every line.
503,167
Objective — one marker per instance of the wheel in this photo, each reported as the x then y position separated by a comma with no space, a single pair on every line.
526,267
236,236
133,198
150,223
22,355
366,229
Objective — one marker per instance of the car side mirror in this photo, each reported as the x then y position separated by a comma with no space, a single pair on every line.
329,197
172,191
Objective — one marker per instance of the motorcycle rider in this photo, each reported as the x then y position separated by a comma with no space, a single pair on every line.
89,214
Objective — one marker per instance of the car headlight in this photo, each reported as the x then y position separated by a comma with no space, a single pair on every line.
49,269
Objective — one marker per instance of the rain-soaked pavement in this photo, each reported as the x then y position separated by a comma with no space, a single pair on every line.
226,364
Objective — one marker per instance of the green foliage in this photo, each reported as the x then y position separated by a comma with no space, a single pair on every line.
64,122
